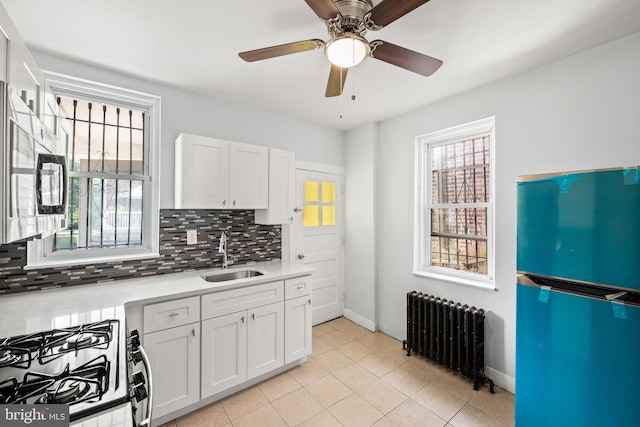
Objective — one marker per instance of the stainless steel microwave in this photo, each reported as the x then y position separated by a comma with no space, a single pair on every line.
34,173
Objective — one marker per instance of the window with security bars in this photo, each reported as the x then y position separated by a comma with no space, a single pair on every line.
106,176
459,197
455,199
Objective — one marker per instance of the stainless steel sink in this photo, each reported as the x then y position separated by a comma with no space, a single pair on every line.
232,275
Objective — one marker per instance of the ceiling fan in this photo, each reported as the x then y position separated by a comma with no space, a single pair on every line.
347,22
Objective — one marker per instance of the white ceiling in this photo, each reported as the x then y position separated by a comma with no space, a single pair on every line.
194,45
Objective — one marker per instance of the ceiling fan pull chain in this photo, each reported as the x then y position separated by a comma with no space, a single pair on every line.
353,86
341,95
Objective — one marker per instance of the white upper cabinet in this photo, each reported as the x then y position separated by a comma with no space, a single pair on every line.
281,189
248,176
216,174
19,68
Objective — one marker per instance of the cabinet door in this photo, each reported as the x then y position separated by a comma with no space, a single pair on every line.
224,352
297,330
248,176
281,189
174,355
266,339
202,173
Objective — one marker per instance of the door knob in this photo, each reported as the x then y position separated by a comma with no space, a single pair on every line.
300,256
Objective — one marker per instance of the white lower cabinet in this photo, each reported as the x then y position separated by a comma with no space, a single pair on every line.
204,345
297,339
240,346
265,349
174,355
224,353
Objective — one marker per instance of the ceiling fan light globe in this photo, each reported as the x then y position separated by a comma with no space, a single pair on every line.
346,50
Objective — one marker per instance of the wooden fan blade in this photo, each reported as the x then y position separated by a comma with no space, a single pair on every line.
404,58
325,9
388,11
280,50
337,77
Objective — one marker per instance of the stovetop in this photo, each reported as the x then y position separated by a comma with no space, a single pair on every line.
78,366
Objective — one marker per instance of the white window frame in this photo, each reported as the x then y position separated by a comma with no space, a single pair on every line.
40,252
422,206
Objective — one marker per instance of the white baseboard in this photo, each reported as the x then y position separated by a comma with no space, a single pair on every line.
360,320
501,379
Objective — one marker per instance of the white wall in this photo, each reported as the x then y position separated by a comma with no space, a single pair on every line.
360,150
192,113
581,112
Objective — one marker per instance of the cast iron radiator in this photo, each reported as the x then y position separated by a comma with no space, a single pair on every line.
448,333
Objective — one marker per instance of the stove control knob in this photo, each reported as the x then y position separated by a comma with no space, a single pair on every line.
136,356
138,378
134,338
139,392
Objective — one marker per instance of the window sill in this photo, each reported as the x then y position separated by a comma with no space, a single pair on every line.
487,283
73,259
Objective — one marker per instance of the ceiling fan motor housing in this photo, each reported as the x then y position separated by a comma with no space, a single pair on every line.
352,17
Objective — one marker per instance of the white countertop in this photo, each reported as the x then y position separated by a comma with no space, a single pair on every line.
38,311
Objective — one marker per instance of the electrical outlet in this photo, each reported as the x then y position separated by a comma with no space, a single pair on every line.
192,237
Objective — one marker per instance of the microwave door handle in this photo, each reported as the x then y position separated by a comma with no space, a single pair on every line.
147,367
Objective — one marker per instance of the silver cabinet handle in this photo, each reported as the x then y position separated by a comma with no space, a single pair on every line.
253,316
234,203
242,319
300,256
173,314
224,202
290,219
193,332
309,301
300,287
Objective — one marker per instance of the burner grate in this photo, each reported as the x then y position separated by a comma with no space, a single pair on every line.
86,382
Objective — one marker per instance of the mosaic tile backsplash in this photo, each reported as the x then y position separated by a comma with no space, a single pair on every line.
248,242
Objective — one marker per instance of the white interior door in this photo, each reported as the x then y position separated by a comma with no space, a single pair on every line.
319,231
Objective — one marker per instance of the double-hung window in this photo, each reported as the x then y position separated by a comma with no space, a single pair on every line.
454,206
112,137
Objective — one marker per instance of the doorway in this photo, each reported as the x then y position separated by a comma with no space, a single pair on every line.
319,236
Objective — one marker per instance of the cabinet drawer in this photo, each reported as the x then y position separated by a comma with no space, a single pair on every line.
226,302
297,287
165,315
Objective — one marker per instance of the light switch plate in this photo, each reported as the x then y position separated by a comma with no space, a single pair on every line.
192,237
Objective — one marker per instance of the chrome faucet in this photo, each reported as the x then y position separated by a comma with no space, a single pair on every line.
222,249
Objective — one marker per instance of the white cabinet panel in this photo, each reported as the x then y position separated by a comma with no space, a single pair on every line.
224,353
297,287
170,314
174,355
281,189
297,336
248,176
266,339
216,174
202,172
235,300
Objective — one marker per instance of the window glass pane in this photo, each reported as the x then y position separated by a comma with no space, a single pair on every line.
328,215
459,254
103,212
310,216
469,221
460,171
328,192
311,190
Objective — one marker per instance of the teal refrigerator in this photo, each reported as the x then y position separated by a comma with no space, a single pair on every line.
578,299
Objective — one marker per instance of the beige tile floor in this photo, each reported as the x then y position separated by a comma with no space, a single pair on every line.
359,378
